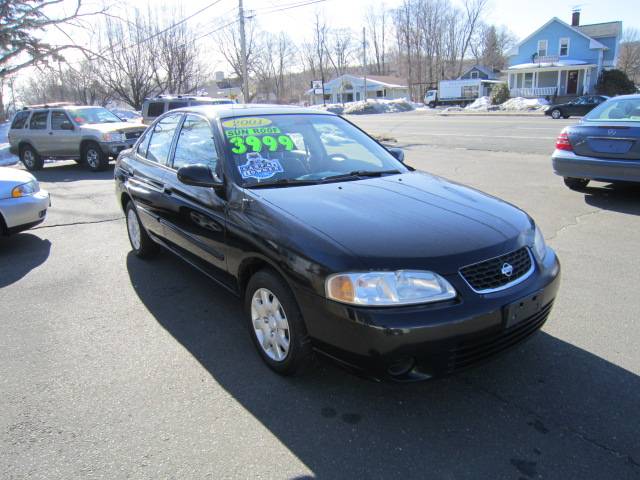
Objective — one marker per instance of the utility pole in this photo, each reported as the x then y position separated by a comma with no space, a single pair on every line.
243,53
364,61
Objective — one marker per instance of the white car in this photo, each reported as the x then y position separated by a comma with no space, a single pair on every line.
22,204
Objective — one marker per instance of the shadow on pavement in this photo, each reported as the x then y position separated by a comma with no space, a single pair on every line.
70,171
547,409
622,198
19,254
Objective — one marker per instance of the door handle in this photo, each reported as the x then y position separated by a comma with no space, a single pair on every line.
168,190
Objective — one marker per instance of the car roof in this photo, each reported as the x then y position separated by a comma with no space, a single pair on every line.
632,96
240,109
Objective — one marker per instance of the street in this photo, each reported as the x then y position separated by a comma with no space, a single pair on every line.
115,367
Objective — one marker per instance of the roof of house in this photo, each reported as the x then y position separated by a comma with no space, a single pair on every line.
389,80
486,70
593,43
599,30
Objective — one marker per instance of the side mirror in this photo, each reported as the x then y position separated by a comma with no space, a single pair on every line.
199,175
66,126
398,153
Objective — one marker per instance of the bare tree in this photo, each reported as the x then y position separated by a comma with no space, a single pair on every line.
278,56
469,22
340,49
629,58
377,25
228,40
21,26
127,64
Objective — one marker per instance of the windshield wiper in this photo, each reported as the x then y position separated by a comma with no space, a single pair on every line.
360,173
283,182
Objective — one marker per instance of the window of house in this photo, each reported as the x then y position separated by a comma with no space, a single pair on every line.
38,121
564,47
474,74
528,80
195,144
379,93
542,48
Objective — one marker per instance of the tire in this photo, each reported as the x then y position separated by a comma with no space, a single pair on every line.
93,156
556,114
278,332
141,243
577,184
30,158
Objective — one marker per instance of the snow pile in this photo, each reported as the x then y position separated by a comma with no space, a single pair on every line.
481,103
6,158
379,106
336,108
524,104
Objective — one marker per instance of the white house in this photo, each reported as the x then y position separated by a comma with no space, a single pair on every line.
350,88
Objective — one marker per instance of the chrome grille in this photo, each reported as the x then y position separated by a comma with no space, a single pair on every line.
132,135
490,275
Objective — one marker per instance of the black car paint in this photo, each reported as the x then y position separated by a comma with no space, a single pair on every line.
411,220
576,107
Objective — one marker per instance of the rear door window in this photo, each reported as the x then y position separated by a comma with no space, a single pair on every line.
57,119
162,138
20,120
38,121
155,109
195,144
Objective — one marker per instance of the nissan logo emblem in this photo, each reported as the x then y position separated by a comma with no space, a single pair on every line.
507,269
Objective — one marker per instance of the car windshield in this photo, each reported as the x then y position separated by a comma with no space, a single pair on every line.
303,148
619,110
93,115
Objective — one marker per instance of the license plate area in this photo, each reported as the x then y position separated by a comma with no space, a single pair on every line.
526,307
601,145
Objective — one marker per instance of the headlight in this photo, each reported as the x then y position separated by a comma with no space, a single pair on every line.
376,289
113,137
25,189
539,245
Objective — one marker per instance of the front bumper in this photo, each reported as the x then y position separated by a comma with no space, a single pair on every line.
112,149
25,212
568,164
419,342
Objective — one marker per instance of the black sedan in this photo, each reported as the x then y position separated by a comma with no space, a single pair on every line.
577,107
604,146
334,245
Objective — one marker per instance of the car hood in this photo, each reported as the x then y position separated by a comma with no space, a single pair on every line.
412,220
10,177
113,127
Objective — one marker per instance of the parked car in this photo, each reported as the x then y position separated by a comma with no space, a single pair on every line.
88,135
579,106
23,204
604,146
333,243
153,107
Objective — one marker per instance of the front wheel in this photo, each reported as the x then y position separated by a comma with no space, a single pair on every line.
276,325
141,243
94,157
556,114
30,158
576,183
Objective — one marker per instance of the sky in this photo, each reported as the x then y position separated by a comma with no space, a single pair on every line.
521,17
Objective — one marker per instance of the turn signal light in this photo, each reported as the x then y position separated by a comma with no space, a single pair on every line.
563,143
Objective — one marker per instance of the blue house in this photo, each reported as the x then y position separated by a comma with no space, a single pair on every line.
560,59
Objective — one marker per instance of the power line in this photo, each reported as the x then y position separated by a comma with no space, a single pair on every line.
290,6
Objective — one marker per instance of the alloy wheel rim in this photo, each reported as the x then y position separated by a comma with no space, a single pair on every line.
134,229
92,157
28,158
270,324
555,114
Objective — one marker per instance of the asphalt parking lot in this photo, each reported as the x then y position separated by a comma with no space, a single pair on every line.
114,367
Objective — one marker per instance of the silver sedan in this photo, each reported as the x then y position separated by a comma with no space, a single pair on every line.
23,204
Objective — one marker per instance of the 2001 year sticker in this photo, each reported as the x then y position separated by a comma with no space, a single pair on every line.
246,122
259,167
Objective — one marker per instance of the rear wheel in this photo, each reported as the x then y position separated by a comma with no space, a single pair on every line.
141,243
556,114
576,183
30,158
276,325
93,156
